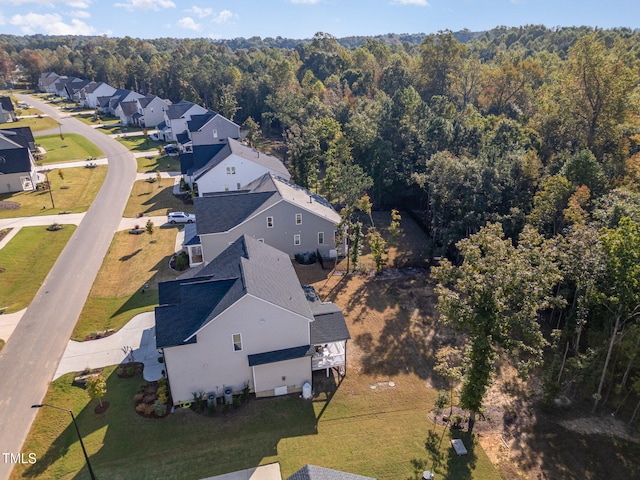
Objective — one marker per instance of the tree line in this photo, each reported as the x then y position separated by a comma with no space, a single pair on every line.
520,148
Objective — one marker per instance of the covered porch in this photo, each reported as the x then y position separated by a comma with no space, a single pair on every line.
330,355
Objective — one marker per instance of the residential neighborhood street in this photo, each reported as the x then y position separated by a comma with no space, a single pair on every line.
29,360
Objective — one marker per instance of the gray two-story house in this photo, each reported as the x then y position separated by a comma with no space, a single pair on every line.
271,210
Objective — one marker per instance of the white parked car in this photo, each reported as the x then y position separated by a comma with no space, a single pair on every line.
181,217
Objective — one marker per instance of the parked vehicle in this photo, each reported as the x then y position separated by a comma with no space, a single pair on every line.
181,217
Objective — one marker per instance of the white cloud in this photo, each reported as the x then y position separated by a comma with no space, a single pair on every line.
78,3
420,3
71,3
51,24
80,14
310,2
224,16
200,12
189,23
146,4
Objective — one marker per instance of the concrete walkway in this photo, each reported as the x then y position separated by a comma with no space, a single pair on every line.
8,323
139,334
41,221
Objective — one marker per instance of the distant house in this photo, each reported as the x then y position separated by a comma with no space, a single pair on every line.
73,89
151,109
231,166
7,111
17,165
270,209
210,128
245,320
46,82
62,82
116,100
90,93
176,117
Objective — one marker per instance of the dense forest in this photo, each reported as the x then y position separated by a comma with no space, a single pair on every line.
518,147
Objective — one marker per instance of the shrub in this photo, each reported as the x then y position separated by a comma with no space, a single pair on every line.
138,397
160,409
298,258
162,394
236,402
150,398
141,407
225,409
212,408
130,370
181,262
162,382
199,399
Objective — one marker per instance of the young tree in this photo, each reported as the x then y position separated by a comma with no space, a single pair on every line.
149,227
97,387
378,249
495,296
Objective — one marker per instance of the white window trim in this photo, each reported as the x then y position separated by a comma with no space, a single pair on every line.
269,220
298,216
238,186
319,242
296,238
233,342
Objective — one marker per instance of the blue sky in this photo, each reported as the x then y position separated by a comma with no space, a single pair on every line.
300,18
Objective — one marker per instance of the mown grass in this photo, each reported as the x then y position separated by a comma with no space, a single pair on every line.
370,433
158,163
71,147
36,124
26,261
117,129
82,185
90,119
138,143
131,262
154,199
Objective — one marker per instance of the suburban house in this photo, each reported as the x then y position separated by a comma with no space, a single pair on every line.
90,93
7,111
17,166
176,117
109,104
73,89
269,209
46,81
245,320
60,85
232,166
211,127
151,110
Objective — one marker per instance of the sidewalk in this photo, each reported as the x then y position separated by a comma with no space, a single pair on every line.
42,221
78,163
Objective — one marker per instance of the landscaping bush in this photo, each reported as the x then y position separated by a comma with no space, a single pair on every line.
138,397
236,402
159,408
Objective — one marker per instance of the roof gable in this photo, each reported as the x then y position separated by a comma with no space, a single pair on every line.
224,211
6,104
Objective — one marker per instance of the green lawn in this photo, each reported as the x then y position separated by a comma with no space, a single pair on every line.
116,296
26,261
366,432
111,130
36,124
82,185
90,119
72,147
147,198
138,143
161,163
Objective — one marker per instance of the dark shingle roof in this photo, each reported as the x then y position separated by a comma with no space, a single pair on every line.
202,154
23,136
7,104
328,321
278,355
240,149
222,212
129,108
144,101
311,472
103,101
199,121
183,138
14,153
245,267
177,110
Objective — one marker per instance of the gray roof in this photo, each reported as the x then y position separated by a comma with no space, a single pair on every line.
183,138
240,149
278,355
129,108
246,267
146,100
14,153
23,136
6,104
311,472
199,121
177,110
222,212
328,321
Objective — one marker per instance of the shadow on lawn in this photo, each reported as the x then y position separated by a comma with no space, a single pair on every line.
183,444
162,198
439,450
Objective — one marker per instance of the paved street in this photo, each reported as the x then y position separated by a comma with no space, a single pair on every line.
30,358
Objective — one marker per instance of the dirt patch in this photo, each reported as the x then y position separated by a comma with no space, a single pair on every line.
7,205
102,408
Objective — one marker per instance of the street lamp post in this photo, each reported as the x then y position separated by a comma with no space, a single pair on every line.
93,477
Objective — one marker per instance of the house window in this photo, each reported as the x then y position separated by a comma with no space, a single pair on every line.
151,109
261,240
269,222
215,133
231,170
298,219
320,238
226,187
238,186
296,239
237,342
